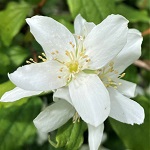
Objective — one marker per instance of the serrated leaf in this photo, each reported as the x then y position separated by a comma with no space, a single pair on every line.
92,10
132,14
16,124
135,137
70,135
12,19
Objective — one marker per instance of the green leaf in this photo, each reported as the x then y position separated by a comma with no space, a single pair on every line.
17,128
92,10
132,14
4,63
67,24
135,137
12,19
17,54
70,135
4,87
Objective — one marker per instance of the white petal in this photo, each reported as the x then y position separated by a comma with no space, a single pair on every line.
126,88
50,34
38,76
82,27
106,40
78,24
16,94
62,93
124,109
90,98
54,116
130,53
95,136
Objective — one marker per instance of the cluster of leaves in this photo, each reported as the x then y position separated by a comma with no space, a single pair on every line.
17,131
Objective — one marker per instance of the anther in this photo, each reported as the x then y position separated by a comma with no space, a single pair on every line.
28,62
44,54
72,44
31,59
43,59
111,64
116,72
53,53
122,75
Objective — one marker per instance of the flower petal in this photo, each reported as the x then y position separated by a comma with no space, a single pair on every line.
106,40
130,52
95,136
124,109
16,94
62,93
38,76
82,27
126,88
90,98
51,35
54,116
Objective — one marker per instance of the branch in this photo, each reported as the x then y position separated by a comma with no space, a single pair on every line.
146,32
39,6
143,64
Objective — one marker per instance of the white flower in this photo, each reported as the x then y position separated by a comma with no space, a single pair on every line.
122,108
68,61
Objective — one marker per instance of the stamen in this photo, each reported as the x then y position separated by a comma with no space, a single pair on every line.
31,59
28,62
59,77
70,55
116,72
111,64
44,55
43,59
53,53
61,69
72,44
76,117
122,75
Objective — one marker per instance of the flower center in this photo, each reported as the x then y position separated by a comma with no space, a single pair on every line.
73,66
76,60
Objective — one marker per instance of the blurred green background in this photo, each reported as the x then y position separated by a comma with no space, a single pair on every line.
17,45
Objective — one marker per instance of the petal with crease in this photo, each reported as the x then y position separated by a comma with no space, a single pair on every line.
16,94
106,40
54,116
124,109
51,35
82,27
90,98
126,88
62,93
78,24
130,53
95,136
38,76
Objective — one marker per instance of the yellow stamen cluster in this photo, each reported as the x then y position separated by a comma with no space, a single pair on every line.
43,57
31,60
104,74
76,60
